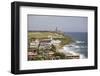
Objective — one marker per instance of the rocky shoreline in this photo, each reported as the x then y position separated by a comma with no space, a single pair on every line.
70,54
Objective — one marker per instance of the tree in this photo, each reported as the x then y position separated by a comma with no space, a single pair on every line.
53,48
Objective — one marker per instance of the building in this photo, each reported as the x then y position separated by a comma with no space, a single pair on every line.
34,44
56,42
32,53
45,44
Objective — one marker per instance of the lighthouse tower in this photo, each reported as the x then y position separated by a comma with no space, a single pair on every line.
56,29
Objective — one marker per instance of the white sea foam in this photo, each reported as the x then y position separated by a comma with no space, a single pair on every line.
66,49
83,46
80,41
82,56
74,49
74,46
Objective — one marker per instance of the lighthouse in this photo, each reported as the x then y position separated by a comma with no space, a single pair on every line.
56,29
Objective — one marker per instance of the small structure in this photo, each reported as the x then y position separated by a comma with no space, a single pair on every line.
32,53
45,43
34,44
56,42
50,37
50,53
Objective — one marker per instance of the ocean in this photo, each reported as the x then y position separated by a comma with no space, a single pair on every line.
81,43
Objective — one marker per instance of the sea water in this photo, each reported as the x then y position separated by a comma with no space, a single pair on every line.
80,45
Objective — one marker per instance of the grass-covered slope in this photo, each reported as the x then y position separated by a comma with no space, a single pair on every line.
45,35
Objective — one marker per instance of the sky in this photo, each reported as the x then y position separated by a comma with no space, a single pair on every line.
62,23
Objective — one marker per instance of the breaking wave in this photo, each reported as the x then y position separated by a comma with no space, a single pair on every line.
80,41
76,48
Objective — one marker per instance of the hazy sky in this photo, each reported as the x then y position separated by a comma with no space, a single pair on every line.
63,23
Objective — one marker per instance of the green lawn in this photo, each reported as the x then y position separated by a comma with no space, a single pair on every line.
44,35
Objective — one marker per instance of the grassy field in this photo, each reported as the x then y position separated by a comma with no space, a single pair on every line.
40,35
45,35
